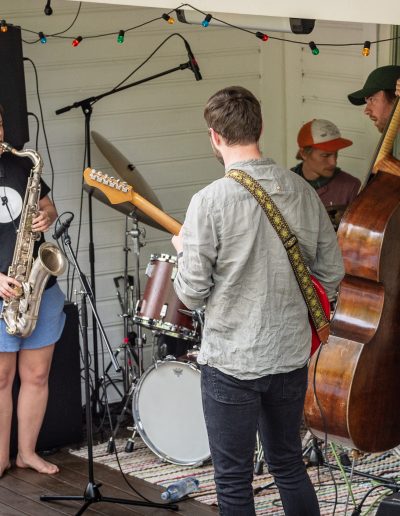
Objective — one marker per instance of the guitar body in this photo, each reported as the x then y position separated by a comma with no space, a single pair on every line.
357,377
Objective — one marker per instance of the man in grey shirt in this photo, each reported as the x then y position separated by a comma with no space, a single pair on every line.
257,338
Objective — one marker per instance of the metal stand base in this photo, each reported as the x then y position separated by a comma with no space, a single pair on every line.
92,495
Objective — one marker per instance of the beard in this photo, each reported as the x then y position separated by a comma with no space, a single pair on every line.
217,154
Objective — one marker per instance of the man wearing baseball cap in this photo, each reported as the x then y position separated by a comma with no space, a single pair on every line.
379,93
319,142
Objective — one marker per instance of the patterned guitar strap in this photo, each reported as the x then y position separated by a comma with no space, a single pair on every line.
291,245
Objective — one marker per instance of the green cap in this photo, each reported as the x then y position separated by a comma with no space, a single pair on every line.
383,78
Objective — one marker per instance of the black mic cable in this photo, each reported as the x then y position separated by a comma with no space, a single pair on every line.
192,62
48,10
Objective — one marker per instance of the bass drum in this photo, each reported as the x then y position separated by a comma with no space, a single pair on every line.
168,413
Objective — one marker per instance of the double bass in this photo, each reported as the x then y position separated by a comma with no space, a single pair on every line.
353,395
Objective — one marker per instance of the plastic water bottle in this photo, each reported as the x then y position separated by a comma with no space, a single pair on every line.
180,488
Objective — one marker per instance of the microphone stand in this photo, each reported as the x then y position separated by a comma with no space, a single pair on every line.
92,492
86,106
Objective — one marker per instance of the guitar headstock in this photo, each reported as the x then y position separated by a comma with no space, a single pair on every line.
117,191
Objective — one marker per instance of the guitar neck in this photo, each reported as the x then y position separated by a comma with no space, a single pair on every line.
386,147
118,191
167,222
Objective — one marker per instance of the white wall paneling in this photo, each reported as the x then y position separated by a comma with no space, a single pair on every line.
364,11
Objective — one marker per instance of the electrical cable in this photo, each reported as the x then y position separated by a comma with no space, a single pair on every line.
258,34
43,126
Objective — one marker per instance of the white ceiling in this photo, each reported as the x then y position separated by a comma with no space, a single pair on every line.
364,11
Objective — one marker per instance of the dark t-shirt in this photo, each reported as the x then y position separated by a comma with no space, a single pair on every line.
14,175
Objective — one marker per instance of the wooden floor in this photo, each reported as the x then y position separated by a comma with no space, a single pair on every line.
20,491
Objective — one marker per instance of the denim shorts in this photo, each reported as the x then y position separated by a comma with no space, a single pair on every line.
49,327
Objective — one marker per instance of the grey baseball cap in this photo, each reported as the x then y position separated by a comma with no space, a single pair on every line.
383,78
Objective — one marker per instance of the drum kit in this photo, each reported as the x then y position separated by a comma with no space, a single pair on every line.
165,397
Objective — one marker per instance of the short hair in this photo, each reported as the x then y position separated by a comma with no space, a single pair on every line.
235,114
306,150
390,95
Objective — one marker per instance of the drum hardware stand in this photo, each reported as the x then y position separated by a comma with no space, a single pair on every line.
126,302
140,339
92,492
312,450
130,357
135,234
127,305
317,458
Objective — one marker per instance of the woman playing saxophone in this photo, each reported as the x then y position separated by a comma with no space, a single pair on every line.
34,351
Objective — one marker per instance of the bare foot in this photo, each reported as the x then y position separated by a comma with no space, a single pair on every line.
37,463
4,468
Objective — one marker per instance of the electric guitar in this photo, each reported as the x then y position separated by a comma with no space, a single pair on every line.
118,191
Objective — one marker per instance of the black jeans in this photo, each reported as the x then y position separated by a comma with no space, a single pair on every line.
234,410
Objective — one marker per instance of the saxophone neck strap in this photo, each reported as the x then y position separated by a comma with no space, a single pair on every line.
290,243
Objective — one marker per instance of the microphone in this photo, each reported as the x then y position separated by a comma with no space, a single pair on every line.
2,171
63,228
193,63
48,10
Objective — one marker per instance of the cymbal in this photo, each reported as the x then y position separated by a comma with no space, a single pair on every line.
125,169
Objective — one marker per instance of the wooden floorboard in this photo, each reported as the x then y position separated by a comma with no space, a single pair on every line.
20,491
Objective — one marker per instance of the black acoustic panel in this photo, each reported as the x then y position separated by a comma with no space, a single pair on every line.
62,423
389,506
12,88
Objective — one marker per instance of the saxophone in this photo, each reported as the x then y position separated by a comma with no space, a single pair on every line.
21,312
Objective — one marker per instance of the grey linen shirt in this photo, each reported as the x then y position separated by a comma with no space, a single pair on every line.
233,262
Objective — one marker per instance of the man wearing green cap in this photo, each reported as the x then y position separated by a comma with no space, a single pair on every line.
379,93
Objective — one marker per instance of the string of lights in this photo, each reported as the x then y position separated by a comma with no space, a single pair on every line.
208,18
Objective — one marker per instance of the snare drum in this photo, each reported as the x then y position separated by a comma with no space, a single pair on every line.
168,412
160,309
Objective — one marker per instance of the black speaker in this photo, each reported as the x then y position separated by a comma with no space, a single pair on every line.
389,506
62,424
12,88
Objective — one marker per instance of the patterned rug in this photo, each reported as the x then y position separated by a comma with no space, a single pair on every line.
143,463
